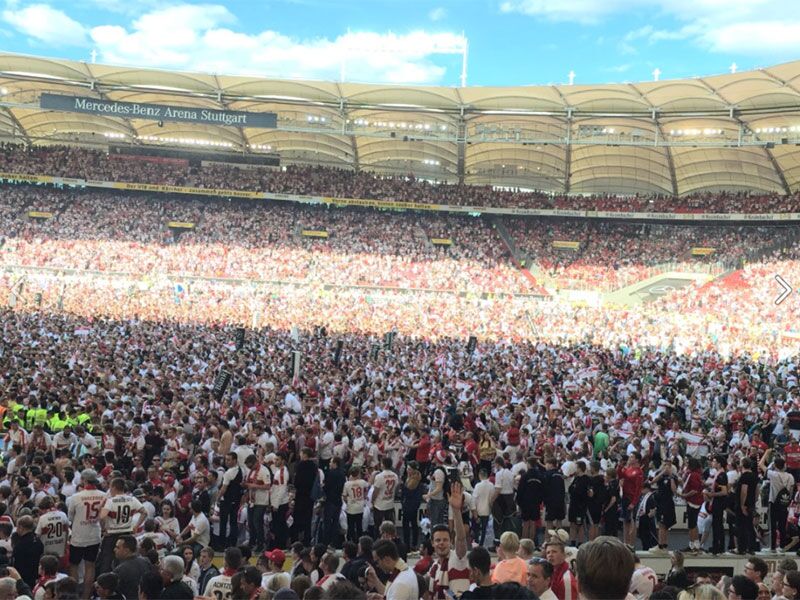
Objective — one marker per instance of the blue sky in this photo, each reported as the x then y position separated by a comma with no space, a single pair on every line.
510,42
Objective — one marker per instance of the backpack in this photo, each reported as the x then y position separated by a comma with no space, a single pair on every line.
784,498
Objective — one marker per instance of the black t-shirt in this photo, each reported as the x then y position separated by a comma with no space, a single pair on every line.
579,490
599,495
612,491
718,503
749,479
554,495
664,493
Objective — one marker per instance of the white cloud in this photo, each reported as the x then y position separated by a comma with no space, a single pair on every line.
202,38
731,26
437,14
755,38
580,11
45,24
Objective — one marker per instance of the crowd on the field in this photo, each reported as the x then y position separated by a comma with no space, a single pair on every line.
88,164
355,462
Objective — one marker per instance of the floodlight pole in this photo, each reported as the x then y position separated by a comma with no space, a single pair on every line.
464,62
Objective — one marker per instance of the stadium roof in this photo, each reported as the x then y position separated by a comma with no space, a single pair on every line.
733,131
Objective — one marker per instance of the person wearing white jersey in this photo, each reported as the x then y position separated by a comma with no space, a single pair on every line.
118,518
354,494
256,484
85,532
53,530
384,488
220,587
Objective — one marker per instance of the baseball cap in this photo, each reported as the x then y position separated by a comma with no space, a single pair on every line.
286,594
559,534
89,476
276,557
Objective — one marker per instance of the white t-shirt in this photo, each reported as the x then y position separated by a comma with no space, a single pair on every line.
121,512
404,586
84,516
385,487
504,481
326,445
355,493
199,524
259,474
482,494
219,588
279,492
53,530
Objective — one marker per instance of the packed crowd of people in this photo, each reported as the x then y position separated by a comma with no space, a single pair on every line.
113,232
88,164
237,410
119,431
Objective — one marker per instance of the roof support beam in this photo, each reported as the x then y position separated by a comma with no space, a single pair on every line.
461,147
778,171
668,153
224,105
18,125
568,154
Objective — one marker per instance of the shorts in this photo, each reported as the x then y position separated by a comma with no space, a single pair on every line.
627,512
554,513
691,516
595,513
577,513
665,516
81,553
530,514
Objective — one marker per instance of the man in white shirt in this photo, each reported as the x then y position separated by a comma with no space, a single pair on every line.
256,484
279,501
117,518
326,441
384,489
483,495
198,529
84,515
220,587
354,494
402,584
53,529
503,503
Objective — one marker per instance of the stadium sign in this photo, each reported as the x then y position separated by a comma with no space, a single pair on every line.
158,112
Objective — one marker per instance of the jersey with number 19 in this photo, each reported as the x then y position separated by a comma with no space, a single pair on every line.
52,529
84,515
121,511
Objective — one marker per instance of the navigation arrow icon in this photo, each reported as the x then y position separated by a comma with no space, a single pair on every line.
787,289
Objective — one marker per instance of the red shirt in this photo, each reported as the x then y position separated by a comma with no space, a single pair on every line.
424,449
632,479
471,448
792,453
693,487
513,436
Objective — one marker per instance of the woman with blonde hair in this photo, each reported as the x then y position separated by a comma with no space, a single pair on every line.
276,582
